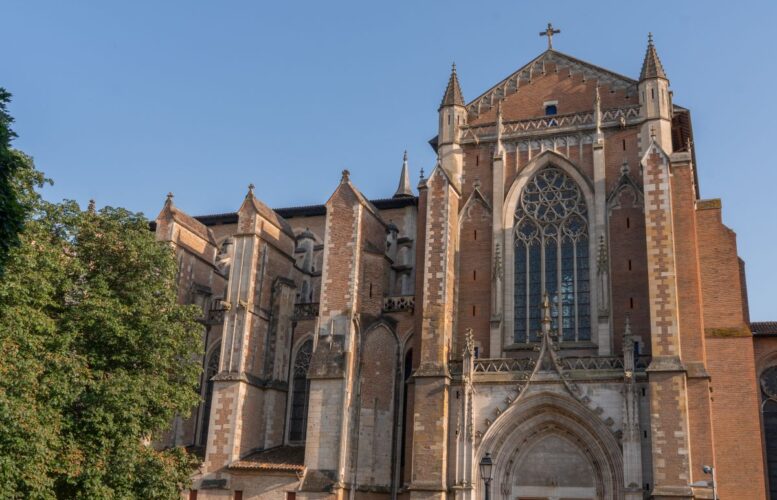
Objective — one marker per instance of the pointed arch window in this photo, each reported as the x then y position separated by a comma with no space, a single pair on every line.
552,255
211,369
300,393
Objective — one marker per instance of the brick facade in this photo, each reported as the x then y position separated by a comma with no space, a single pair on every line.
409,305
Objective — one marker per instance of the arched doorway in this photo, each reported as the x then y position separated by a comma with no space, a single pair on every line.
549,446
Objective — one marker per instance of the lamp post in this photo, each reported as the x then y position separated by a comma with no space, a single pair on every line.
486,465
711,470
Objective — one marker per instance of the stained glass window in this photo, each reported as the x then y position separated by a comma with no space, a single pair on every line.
551,255
298,420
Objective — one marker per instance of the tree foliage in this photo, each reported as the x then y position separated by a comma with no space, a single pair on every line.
14,167
96,356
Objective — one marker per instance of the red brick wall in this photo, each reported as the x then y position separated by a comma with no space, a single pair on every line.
730,361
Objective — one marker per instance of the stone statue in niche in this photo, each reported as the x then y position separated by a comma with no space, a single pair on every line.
224,257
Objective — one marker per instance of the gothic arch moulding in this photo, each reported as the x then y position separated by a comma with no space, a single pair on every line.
551,441
547,158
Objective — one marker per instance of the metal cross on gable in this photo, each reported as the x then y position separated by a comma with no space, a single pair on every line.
549,32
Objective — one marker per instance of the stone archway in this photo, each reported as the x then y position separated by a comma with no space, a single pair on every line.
549,446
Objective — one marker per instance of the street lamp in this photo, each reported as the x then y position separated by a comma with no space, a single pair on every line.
486,465
711,470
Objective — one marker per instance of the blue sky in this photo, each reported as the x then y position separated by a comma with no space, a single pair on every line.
125,101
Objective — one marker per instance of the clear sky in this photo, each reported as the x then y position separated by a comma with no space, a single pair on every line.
125,101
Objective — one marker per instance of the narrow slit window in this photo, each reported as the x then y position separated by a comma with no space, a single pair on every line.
629,264
628,223
631,302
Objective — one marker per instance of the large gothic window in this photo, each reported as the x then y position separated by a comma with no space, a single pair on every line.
551,256
211,369
298,419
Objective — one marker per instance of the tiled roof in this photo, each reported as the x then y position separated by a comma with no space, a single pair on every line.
764,327
281,459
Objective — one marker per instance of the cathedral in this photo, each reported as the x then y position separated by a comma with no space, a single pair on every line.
553,312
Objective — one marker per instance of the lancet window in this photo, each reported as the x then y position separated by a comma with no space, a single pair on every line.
552,256
211,369
298,419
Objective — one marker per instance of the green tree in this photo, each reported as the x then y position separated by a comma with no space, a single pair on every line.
96,356
14,167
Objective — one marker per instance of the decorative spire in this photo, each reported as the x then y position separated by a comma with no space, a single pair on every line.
404,188
598,111
453,95
601,260
251,188
91,208
651,66
346,176
169,200
499,148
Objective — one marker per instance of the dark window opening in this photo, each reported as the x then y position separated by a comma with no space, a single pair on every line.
474,275
624,144
477,352
211,369
370,290
473,310
629,264
631,302
477,159
551,110
475,235
628,223
298,420
403,450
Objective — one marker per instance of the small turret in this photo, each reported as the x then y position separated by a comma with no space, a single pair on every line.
453,115
404,188
655,100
